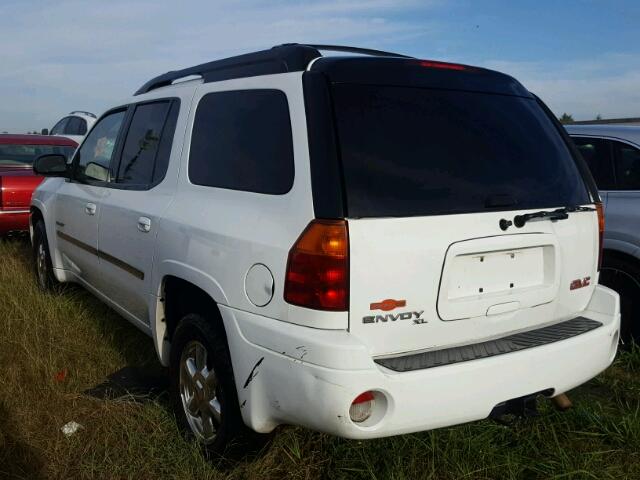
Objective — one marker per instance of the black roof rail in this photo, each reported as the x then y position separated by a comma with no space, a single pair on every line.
288,57
358,50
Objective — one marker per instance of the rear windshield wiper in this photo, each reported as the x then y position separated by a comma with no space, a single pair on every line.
559,214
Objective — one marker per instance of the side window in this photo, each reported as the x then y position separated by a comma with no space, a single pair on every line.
597,154
627,166
58,128
242,140
143,151
93,159
74,127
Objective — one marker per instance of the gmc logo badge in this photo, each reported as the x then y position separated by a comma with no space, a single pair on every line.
579,283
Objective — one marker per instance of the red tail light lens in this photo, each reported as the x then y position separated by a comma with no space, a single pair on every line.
600,211
318,267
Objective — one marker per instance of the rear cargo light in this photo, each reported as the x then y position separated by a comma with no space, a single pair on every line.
362,407
600,211
318,267
442,65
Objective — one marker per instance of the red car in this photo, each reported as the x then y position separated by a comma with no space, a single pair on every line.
17,180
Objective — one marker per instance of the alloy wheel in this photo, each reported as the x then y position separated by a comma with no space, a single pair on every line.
199,392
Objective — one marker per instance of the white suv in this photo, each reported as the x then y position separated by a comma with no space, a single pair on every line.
74,126
362,245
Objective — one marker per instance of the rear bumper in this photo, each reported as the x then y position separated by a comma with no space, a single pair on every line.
287,374
14,221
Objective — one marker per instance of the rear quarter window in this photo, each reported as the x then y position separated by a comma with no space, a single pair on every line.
411,151
242,140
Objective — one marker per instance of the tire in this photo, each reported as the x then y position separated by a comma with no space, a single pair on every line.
622,274
43,267
203,390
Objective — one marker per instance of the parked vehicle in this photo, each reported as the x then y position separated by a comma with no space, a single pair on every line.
361,245
74,126
17,180
613,154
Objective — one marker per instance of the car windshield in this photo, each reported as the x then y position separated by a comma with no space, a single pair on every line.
420,151
24,155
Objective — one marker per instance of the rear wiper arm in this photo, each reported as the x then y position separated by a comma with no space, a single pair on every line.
559,214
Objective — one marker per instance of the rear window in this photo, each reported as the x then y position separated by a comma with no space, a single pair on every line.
24,155
417,151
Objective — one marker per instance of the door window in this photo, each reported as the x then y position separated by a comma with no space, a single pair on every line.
627,166
58,128
93,159
76,126
147,145
597,154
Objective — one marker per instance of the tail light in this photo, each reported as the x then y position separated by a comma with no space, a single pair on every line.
0,192
318,267
600,211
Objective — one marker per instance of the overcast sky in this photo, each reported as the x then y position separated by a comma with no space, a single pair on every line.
581,57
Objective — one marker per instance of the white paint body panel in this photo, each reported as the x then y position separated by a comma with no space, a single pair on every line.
403,258
315,363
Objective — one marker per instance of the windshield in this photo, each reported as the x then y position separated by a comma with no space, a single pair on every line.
417,151
24,155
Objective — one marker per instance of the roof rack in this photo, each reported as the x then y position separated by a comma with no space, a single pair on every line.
288,57
89,114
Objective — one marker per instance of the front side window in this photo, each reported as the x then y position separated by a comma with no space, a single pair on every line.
93,159
24,155
58,128
418,151
627,166
242,140
142,143
597,154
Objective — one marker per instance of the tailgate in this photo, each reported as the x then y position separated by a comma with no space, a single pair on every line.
456,279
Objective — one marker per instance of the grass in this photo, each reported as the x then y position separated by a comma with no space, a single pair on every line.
72,332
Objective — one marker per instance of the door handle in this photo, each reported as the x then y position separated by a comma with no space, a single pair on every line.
90,209
144,224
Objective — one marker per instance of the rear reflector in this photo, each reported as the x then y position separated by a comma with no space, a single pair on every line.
318,267
362,407
600,211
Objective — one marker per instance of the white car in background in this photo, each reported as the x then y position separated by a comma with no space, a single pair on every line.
74,126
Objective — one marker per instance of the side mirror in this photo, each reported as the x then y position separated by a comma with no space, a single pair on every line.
44,131
53,165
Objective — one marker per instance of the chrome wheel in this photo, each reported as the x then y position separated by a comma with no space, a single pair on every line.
198,392
41,264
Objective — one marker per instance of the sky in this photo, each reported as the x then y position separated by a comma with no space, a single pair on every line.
580,57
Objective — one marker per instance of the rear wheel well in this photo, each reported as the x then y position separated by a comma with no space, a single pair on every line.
181,298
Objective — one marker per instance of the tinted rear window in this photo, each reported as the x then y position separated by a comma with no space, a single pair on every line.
24,155
416,151
242,141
